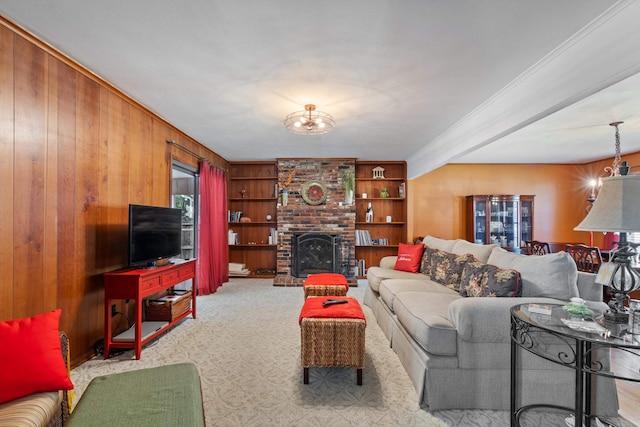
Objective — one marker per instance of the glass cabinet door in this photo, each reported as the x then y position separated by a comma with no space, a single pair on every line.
527,220
504,221
480,218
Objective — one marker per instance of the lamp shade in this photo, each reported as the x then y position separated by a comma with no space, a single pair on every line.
617,208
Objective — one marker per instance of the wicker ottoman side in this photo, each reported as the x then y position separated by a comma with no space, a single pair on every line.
332,342
325,284
325,290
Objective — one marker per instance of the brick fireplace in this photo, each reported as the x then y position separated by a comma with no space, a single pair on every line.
333,217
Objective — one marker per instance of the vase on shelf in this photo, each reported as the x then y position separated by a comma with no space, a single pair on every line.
369,213
348,197
284,197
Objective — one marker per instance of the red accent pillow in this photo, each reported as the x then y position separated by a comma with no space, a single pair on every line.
31,357
409,257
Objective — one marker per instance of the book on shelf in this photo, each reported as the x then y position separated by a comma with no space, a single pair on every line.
234,216
273,234
361,265
380,242
233,238
363,238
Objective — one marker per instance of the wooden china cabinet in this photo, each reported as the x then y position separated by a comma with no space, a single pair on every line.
504,220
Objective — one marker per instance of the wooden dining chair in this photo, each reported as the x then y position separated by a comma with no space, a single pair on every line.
587,258
535,247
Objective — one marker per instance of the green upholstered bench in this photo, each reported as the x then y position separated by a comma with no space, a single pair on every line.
163,396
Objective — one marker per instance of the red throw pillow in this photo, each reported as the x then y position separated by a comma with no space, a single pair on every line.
409,257
31,357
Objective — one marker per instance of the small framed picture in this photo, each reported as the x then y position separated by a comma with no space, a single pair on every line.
605,274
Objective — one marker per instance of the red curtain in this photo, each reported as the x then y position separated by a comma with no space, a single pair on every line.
213,251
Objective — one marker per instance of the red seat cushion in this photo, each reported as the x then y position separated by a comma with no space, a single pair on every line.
409,257
326,279
31,357
313,308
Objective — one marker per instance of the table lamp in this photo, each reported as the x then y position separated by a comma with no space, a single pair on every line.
617,209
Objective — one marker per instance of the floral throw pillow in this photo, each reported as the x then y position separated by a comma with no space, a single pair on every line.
485,280
447,268
425,263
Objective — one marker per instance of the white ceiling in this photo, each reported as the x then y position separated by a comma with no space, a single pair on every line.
427,81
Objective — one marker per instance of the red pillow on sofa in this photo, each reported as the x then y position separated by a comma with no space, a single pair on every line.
409,257
31,357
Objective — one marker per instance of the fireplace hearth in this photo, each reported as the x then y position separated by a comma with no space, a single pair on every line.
314,253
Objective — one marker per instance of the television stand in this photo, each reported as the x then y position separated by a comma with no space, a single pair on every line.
137,284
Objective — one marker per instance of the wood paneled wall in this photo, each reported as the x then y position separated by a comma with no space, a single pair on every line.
74,152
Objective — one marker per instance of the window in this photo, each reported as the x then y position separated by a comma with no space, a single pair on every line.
184,191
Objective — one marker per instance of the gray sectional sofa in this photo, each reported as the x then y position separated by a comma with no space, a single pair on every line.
456,349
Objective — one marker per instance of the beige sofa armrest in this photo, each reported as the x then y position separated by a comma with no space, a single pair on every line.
388,262
487,320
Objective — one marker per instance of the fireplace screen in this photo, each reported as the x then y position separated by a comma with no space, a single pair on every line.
315,253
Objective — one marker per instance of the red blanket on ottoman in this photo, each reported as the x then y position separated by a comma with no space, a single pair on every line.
313,308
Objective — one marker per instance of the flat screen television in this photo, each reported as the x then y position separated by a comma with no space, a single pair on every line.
154,234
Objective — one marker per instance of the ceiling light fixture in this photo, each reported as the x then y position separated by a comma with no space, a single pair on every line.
309,122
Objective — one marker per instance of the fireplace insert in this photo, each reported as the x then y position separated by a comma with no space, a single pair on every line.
313,253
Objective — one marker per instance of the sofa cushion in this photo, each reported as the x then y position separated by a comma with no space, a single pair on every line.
446,268
552,275
480,252
389,288
31,357
375,275
486,280
437,243
425,317
409,257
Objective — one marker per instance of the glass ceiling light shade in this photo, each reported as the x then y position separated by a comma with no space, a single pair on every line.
309,122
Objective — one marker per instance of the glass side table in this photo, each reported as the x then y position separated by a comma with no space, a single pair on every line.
574,347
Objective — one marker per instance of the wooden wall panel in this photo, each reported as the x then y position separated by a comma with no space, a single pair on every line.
6,172
74,152
50,278
28,201
88,312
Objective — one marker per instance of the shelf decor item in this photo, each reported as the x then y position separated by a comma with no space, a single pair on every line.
314,193
369,213
284,193
378,172
349,184
402,191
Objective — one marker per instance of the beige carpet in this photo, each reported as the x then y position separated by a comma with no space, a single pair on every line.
246,345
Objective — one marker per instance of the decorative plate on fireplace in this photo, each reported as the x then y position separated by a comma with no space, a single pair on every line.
314,192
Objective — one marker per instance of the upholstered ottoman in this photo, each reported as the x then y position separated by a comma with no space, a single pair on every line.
332,335
324,284
162,396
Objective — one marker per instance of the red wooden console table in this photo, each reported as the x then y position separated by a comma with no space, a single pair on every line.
136,284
